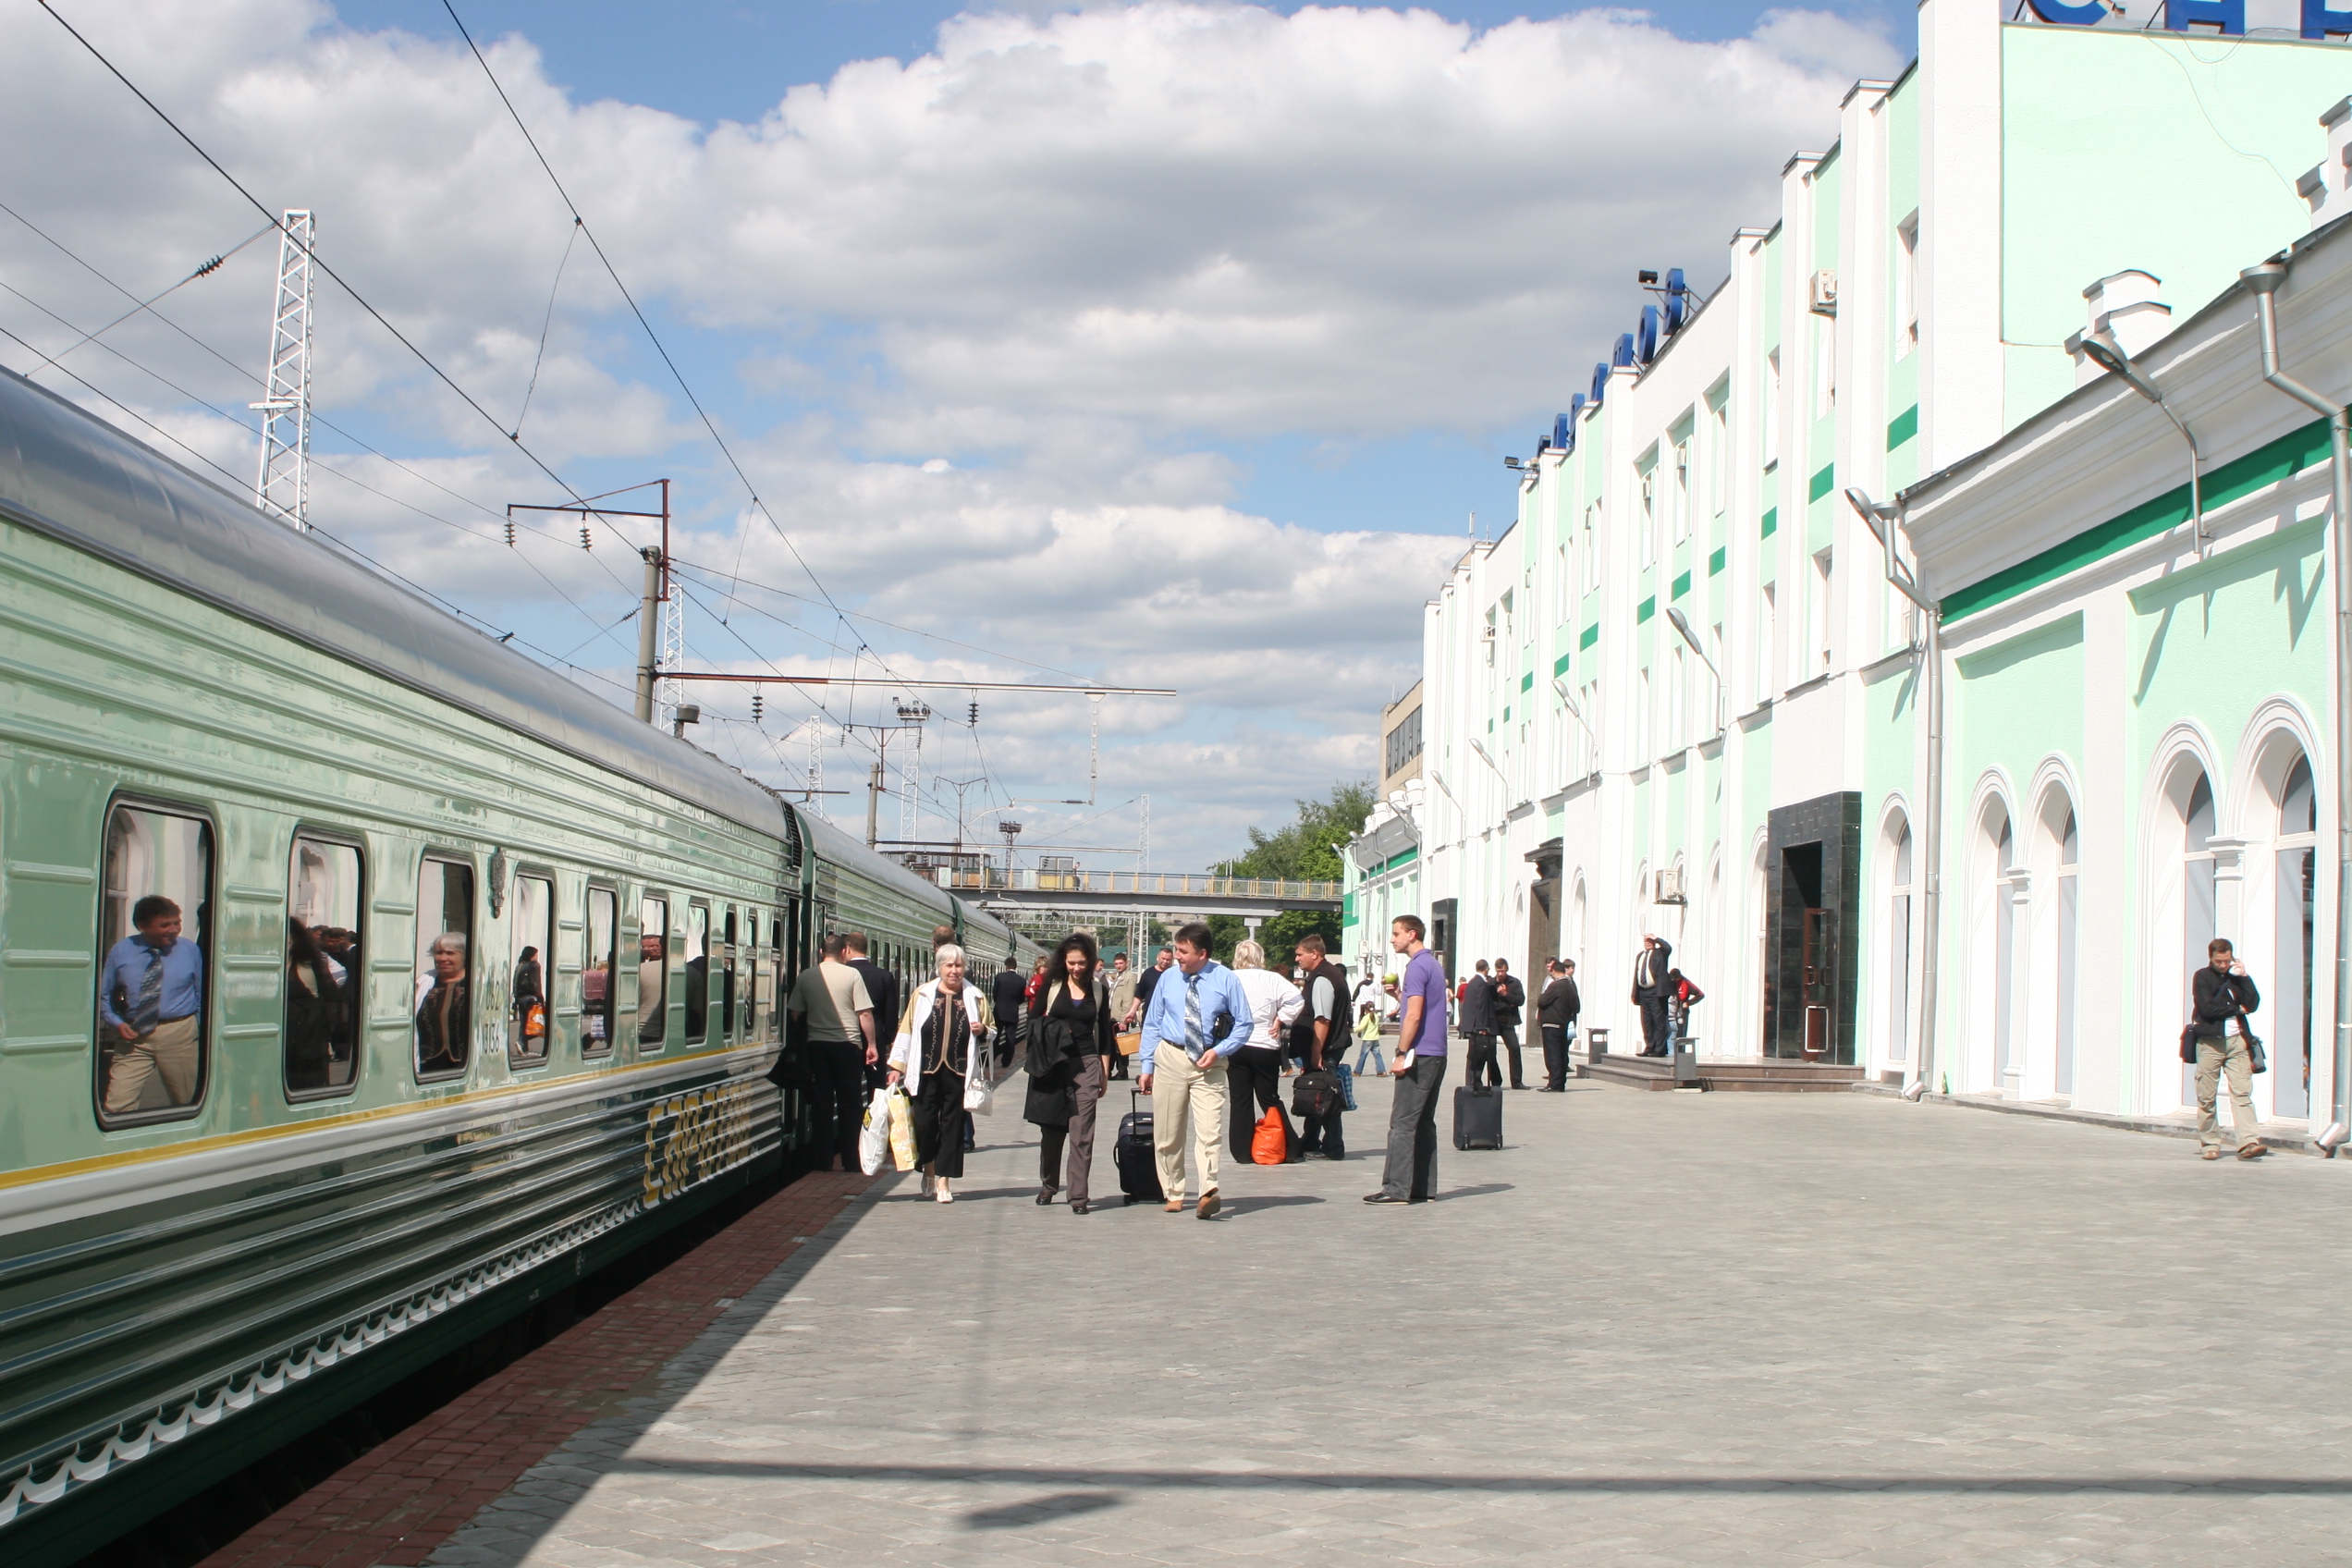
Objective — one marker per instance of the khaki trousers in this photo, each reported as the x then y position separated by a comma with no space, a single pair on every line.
168,1048
1187,1102
2212,1058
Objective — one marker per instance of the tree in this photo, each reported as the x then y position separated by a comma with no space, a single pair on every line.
1306,849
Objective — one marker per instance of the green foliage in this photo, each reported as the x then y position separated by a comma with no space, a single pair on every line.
1302,850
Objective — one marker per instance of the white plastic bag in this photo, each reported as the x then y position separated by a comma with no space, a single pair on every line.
874,1137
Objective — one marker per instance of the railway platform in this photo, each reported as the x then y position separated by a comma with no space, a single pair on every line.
1654,1328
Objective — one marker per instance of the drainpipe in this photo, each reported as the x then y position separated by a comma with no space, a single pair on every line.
2264,282
1886,524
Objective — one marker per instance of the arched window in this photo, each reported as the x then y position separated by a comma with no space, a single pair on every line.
2297,881
1898,940
2069,904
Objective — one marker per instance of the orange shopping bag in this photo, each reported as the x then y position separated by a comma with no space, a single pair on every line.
1269,1144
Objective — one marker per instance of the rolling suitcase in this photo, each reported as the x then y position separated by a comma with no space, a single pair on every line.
1477,1119
1132,1152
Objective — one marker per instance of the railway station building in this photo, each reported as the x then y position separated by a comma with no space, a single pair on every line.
1681,696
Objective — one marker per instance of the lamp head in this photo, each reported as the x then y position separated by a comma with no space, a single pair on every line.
2264,278
1874,514
1513,462
2099,346
1560,687
1645,276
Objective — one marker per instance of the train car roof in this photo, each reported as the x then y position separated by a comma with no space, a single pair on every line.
70,475
843,848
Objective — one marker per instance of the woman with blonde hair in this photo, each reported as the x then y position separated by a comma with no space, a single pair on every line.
1254,1071
940,1052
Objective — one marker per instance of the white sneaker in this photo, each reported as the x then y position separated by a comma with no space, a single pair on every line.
944,1195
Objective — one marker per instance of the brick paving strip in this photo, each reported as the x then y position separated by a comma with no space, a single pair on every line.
396,1503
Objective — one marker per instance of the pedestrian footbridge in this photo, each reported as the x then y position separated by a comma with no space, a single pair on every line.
1160,895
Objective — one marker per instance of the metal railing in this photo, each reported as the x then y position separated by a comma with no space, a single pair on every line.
1129,884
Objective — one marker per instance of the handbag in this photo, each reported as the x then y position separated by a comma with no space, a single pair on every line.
1316,1094
1130,1044
2188,1044
874,1135
980,1098
902,1130
1269,1144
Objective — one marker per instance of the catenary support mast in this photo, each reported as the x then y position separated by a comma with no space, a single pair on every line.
282,488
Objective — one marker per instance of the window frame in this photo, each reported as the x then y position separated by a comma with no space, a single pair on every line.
421,949
205,944
693,906
658,1041
340,839
519,1061
612,974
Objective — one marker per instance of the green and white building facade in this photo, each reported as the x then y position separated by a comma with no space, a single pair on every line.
1679,696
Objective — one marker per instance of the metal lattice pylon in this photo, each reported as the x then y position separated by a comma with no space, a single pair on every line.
911,792
668,691
282,485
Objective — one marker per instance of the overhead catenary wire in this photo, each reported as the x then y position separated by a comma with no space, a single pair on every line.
652,337
204,270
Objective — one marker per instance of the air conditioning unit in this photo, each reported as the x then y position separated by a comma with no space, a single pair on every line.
1670,886
1822,292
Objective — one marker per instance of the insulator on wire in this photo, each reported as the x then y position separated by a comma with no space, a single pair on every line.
971,715
756,704
584,538
510,533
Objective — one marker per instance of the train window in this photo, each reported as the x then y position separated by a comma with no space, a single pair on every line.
534,955
747,1021
653,971
697,973
151,982
326,968
598,964
727,1020
771,1016
444,968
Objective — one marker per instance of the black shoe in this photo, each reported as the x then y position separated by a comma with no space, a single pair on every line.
1044,1197
1078,1206
1339,1155
1383,1197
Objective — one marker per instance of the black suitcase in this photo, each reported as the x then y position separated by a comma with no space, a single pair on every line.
1132,1152
1477,1119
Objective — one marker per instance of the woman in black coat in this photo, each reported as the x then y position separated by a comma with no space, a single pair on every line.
1072,1035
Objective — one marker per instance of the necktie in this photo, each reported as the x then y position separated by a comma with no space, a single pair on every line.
1196,1041
149,1009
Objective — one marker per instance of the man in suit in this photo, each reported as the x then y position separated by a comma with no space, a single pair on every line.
1509,996
1556,1012
1478,1027
1653,993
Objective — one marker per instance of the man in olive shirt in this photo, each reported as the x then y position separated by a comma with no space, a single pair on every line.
840,1012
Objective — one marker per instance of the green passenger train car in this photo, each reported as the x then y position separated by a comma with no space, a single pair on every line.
362,982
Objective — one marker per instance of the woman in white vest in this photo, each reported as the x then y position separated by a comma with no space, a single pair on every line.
940,1054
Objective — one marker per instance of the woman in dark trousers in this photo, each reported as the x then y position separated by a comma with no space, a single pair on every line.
2222,994
942,1048
1072,1037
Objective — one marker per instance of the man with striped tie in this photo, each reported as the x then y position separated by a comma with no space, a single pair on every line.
150,992
1201,1017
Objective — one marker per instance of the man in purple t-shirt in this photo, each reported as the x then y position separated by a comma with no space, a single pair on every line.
1420,1068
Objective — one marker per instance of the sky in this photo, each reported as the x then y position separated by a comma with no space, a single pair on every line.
1160,345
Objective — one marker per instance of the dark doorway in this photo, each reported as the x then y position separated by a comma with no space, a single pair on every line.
1814,867
1441,935
1543,913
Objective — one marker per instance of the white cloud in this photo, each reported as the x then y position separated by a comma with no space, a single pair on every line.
985,324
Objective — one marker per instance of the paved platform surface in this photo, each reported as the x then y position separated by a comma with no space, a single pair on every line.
1656,1328
403,1497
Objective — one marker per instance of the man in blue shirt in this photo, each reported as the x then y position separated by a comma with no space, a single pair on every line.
151,1002
1420,1068
1199,1014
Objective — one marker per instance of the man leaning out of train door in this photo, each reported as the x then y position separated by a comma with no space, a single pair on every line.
150,995
840,1011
